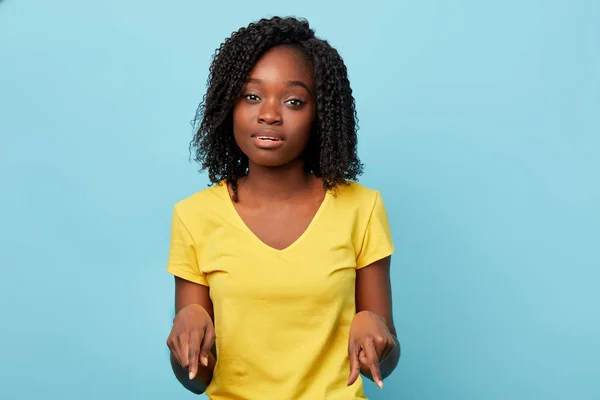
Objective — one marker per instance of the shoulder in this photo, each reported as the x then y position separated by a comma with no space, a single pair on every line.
357,202
205,201
356,194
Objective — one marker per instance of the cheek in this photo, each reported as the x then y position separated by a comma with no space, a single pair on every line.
304,125
239,127
241,116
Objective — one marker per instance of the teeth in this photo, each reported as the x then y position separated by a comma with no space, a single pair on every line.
267,138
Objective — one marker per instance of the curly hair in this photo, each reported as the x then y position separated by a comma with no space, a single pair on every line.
331,153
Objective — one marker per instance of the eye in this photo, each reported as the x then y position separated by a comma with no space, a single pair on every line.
251,97
296,103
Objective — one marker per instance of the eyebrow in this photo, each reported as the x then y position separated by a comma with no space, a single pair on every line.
289,83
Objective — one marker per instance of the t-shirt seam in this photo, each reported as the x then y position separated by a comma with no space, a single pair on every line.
193,243
186,274
382,252
364,236
184,225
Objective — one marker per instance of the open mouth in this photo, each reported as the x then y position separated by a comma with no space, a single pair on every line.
267,142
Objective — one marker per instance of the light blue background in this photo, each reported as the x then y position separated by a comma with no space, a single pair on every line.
479,124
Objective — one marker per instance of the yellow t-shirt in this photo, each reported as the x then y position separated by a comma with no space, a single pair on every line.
282,317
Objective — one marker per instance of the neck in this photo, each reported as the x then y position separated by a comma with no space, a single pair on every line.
278,183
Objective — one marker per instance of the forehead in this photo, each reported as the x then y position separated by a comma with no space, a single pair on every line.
283,63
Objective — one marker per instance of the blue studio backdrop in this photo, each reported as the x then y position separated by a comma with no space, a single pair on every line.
479,123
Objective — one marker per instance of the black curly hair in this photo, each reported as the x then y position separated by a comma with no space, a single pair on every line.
331,152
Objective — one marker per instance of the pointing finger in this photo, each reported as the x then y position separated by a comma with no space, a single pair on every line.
193,352
354,364
373,361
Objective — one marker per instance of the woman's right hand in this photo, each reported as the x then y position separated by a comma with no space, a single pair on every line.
191,337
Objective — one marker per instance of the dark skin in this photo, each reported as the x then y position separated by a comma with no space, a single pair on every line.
277,201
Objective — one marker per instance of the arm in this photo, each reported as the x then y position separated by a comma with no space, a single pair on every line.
374,294
189,293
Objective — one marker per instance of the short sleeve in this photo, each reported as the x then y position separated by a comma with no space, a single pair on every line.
377,241
182,254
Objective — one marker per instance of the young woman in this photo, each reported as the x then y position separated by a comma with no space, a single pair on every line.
283,263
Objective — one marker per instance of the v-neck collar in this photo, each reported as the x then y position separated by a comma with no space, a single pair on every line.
240,221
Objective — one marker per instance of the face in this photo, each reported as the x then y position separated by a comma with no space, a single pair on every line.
272,120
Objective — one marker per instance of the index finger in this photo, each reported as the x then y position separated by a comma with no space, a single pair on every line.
373,362
194,350
354,364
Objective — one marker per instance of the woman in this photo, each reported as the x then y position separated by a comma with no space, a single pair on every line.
283,264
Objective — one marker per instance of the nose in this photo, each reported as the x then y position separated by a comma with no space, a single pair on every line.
269,113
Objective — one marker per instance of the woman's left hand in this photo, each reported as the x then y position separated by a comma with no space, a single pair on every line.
370,342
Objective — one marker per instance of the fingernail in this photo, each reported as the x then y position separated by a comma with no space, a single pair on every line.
191,375
380,384
204,361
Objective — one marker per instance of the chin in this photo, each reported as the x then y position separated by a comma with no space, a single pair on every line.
268,162
272,160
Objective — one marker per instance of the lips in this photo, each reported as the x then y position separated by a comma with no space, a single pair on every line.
268,134
267,140
271,138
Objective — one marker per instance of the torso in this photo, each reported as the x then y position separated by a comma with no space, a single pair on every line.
282,284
